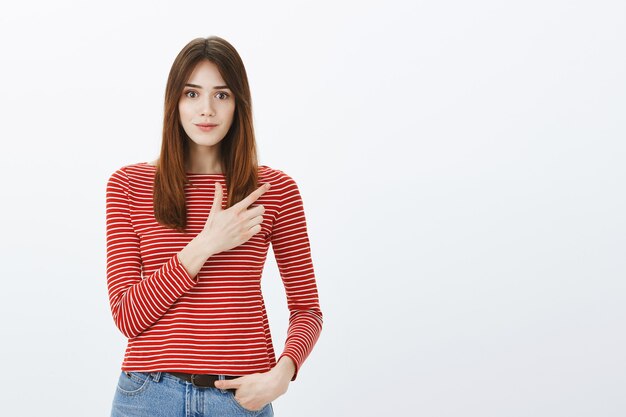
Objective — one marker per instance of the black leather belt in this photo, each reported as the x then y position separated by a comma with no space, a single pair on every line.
203,380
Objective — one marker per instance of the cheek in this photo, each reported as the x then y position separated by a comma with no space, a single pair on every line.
183,110
230,110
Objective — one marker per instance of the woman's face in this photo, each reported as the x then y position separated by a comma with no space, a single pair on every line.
206,100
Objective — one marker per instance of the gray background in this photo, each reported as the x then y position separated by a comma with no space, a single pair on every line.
462,169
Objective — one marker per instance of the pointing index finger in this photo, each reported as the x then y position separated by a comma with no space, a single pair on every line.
252,197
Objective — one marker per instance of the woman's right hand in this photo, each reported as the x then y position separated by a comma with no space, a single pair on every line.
226,229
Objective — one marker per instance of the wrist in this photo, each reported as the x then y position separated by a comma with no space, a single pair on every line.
284,369
203,240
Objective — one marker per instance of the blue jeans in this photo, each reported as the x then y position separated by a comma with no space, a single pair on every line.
159,394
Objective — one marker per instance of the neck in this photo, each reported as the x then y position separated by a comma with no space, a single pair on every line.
204,160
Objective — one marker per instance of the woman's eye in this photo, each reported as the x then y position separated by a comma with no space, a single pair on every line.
222,95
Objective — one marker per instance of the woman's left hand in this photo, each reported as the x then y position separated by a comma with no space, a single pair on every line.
256,390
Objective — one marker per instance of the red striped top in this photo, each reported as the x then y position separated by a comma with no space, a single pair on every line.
217,324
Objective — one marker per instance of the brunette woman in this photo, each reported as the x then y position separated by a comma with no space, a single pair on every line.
187,239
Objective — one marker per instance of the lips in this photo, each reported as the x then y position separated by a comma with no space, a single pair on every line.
206,127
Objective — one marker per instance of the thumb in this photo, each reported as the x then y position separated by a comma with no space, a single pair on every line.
217,200
227,383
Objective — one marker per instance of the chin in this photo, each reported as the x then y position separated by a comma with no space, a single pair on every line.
205,141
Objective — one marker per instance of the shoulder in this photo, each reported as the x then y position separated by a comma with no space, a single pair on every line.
128,173
135,169
276,177
283,187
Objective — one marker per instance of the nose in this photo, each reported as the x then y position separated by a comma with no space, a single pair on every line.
207,107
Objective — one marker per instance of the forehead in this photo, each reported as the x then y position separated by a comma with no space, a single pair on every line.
206,74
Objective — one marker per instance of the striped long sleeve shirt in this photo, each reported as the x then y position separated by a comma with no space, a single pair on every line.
216,323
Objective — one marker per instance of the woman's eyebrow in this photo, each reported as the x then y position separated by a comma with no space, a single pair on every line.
200,87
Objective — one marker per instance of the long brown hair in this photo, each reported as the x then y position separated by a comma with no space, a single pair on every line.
238,153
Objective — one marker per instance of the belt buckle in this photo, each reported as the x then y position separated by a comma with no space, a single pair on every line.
193,382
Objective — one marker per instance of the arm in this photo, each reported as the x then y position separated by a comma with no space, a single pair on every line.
136,303
290,243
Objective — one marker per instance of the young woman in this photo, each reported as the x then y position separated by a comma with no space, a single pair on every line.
187,238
